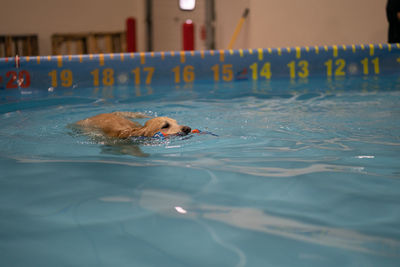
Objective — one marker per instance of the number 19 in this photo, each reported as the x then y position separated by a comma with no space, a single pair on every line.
65,76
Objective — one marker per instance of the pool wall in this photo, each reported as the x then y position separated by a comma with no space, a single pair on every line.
191,67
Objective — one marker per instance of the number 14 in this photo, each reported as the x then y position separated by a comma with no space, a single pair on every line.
264,72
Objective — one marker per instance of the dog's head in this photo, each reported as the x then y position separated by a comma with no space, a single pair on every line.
165,125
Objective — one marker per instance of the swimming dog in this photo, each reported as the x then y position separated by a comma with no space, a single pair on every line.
119,125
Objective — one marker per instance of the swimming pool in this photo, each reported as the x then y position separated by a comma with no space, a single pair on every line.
302,173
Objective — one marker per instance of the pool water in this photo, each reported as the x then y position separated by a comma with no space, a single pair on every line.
297,178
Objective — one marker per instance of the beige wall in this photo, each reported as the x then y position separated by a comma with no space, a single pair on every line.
316,22
168,20
271,23
228,14
47,17
280,23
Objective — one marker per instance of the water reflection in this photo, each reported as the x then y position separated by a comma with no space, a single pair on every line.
221,165
183,206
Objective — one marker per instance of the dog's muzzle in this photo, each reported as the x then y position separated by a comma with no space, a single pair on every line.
186,129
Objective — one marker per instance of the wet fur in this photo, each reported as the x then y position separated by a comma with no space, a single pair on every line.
119,125
112,130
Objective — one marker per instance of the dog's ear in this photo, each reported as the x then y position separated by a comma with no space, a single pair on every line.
149,132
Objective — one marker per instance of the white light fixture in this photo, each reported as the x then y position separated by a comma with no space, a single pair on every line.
187,5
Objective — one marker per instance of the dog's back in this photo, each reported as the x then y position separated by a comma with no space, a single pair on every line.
113,124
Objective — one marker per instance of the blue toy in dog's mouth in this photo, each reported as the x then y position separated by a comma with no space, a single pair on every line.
161,135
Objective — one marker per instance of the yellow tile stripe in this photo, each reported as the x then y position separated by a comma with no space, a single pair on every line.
221,55
371,50
335,51
316,49
59,61
101,59
260,54
183,57
38,59
241,52
298,52
279,51
142,58
122,56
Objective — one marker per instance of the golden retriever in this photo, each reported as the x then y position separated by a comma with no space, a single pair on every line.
119,125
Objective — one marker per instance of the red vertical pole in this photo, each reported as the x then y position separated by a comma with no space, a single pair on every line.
131,35
188,35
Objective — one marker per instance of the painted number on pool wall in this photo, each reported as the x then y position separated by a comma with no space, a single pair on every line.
299,69
264,72
226,70
366,63
149,71
65,77
106,76
335,68
16,79
186,72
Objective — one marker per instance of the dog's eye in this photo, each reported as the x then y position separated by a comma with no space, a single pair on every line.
165,126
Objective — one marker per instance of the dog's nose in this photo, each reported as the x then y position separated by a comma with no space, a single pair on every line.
186,129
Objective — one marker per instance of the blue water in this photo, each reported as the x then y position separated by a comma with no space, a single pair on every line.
303,174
